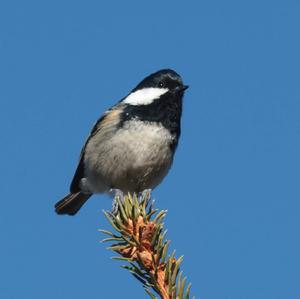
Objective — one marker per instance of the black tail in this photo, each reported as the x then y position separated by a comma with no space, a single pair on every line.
71,204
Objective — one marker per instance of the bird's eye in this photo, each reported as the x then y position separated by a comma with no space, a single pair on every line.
161,84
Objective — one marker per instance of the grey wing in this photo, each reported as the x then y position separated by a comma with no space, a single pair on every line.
105,123
79,173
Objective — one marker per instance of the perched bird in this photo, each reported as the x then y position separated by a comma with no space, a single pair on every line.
131,147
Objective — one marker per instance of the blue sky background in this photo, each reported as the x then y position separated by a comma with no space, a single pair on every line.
233,192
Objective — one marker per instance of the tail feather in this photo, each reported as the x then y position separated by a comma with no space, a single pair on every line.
72,203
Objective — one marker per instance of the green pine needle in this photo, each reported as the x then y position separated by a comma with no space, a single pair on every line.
140,240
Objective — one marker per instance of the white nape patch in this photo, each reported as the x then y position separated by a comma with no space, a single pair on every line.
144,96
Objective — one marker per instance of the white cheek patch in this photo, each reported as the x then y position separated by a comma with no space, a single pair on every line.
145,96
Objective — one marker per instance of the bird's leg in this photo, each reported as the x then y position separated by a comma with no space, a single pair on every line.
144,194
116,193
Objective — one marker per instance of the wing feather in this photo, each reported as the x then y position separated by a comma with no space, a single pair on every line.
103,124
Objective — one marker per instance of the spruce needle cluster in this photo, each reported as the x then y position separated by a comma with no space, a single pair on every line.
140,241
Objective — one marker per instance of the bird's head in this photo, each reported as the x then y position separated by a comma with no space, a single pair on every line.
155,86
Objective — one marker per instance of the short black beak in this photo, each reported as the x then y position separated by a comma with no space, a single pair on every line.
181,88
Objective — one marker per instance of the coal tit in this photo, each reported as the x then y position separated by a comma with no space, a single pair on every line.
131,147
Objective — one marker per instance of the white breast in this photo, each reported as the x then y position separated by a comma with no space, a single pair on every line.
135,157
145,142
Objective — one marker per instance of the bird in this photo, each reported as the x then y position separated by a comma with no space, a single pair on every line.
132,146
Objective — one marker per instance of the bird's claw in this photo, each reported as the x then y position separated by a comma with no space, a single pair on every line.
116,193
